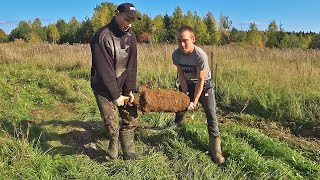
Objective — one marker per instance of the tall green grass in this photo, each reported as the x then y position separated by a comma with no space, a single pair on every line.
259,155
48,116
272,83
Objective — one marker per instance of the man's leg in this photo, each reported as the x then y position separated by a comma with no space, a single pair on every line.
107,112
208,102
129,116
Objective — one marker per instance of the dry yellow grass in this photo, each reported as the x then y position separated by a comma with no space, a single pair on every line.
240,73
45,55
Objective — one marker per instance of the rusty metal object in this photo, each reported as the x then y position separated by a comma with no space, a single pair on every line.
161,100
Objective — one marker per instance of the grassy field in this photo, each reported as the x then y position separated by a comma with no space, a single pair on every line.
268,109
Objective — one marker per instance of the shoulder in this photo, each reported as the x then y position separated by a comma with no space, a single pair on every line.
176,53
201,56
200,52
102,34
176,56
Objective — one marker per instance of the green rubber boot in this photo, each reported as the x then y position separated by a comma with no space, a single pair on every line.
127,144
215,150
112,152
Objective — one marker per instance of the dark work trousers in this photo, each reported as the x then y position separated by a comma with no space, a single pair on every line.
128,114
208,102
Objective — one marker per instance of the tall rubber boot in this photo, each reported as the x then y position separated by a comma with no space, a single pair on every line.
112,152
127,144
179,117
215,150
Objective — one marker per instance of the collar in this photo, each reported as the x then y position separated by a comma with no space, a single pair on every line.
193,51
114,27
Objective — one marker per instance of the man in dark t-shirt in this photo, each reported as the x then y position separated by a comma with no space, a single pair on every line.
114,76
194,77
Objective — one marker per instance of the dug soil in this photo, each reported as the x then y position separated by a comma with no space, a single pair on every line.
161,100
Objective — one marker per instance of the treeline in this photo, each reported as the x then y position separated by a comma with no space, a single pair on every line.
162,29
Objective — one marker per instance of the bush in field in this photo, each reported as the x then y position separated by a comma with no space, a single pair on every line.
315,42
3,36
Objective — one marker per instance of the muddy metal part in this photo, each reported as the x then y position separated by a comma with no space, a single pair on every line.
161,100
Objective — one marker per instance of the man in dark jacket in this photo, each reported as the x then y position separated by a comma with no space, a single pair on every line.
113,78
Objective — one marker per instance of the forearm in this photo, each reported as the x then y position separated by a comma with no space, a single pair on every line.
182,80
198,91
183,84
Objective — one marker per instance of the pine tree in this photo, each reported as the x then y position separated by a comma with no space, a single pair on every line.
188,19
63,29
177,18
39,33
85,31
74,27
170,32
211,25
200,29
272,31
23,31
315,42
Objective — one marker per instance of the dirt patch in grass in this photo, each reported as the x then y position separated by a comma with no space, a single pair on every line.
73,137
61,110
273,129
161,100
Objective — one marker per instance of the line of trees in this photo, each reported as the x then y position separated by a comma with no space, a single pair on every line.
162,29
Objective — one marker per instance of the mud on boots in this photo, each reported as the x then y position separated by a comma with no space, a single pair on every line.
127,144
112,151
215,150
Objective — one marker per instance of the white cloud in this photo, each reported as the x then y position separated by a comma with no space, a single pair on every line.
7,22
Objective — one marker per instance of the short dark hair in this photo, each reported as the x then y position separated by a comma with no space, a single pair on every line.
186,28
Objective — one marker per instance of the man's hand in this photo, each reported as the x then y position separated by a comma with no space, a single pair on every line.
131,97
192,106
120,100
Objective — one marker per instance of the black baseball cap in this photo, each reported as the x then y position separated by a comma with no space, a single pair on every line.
128,7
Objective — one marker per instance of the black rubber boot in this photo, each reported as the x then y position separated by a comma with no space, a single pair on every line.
215,150
179,117
127,144
112,152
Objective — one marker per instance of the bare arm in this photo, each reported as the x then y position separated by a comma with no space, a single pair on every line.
199,87
182,80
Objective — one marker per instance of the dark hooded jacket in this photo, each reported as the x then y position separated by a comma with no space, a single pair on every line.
114,60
